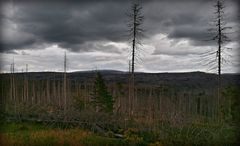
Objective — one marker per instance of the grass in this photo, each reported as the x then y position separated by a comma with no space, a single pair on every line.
200,135
31,134
36,134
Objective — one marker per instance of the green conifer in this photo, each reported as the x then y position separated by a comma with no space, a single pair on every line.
102,99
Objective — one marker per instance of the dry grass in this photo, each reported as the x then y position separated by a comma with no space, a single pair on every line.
32,134
73,137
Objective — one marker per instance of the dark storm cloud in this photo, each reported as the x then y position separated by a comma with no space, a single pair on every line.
68,24
188,19
72,25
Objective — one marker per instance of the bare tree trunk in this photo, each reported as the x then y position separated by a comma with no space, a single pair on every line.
59,93
47,91
11,84
219,54
14,89
135,31
54,91
129,90
65,83
33,93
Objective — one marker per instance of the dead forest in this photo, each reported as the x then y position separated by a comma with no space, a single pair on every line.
42,97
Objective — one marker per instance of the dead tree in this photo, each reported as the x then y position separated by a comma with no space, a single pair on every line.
13,87
59,94
26,85
215,58
47,91
129,88
33,93
54,89
135,32
65,82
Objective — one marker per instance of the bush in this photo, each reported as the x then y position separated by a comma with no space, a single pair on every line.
131,137
78,103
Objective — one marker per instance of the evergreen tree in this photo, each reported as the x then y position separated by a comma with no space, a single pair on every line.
102,99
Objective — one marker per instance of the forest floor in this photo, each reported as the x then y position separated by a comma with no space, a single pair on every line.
39,134
35,134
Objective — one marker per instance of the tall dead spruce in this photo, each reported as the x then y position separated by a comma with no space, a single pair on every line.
215,58
135,20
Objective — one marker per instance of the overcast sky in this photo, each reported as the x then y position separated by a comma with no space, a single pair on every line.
93,34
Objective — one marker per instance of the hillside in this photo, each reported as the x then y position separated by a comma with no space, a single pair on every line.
180,80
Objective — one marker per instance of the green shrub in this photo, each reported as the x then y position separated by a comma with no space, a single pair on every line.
78,103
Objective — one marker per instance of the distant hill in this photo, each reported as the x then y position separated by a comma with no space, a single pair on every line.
178,80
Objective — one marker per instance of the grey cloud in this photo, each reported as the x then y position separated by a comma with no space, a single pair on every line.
91,46
10,52
187,19
72,24
69,24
